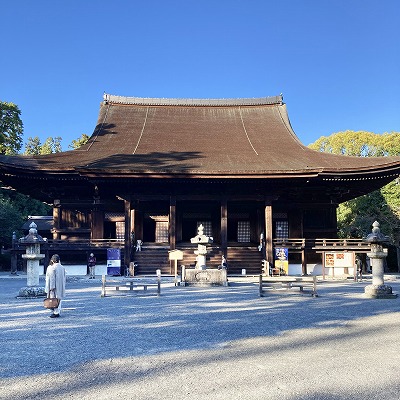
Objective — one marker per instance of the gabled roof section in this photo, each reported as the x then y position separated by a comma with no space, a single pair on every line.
200,138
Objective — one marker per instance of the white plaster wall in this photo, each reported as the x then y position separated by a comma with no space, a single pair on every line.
294,269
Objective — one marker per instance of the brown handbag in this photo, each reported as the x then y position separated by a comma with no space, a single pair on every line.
51,302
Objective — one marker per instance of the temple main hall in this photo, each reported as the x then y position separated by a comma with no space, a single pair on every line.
156,169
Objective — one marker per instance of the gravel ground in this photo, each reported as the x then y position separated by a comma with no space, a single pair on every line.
200,343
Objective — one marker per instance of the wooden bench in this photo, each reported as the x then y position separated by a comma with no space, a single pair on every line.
127,285
288,282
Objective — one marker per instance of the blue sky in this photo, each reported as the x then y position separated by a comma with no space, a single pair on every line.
337,62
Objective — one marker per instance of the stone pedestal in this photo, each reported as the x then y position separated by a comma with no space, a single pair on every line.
195,276
33,256
32,267
379,292
201,254
378,289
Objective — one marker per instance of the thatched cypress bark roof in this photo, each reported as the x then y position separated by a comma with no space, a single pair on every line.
220,138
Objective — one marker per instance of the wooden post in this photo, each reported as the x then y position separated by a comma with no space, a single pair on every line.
103,286
97,224
224,226
56,220
303,262
133,215
127,234
158,285
269,233
172,222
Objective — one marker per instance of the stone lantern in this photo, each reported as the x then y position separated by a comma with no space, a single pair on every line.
202,240
32,255
201,274
378,289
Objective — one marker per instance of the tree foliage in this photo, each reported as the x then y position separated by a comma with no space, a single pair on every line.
356,216
79,142
360,143
33,146
10,221
14,210
51,145
11,128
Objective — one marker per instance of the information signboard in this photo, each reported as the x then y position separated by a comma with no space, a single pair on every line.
282,260
113,262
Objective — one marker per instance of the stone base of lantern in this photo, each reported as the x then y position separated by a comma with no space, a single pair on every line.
204,277
31,292
379,292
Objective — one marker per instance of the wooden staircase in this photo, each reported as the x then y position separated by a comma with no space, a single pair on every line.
248,258
152,258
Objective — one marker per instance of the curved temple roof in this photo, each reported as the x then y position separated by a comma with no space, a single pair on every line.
197,137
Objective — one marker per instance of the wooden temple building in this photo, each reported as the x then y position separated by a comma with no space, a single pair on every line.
155,169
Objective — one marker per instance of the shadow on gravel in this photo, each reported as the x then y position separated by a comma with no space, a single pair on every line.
199,321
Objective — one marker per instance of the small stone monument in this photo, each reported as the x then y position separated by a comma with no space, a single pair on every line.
202,240
32,255
378,289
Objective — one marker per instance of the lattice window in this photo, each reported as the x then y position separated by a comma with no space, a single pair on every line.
120,230
162,231
281,229
243,231
207,227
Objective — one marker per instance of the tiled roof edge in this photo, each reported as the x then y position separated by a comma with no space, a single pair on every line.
109,98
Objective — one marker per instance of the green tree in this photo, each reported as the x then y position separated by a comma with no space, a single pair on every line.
356,216
79,142
33,146
51,145
11,128
351,143
10,221
14,210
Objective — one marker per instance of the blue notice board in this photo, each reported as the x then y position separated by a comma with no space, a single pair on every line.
113,262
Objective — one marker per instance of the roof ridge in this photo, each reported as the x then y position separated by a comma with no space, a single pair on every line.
109,98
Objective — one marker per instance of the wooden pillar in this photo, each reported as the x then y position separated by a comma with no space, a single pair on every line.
56,220
127,233
97,224
133,225
179,227
269,233
139,225
172,223
224,226
333,214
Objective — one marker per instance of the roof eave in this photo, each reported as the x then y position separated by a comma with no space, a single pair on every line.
196,174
